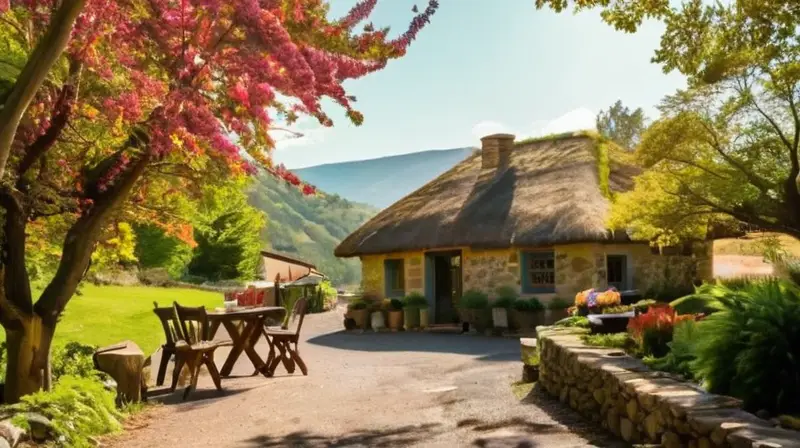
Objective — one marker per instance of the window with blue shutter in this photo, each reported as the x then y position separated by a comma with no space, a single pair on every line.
538,272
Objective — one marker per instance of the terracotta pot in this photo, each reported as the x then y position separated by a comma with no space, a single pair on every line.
482,319
553,316
361,317
465,315
395,319
423,317
500,317
410,317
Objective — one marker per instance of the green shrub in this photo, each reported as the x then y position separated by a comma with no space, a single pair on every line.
681,351
750,351
357,304
504,302
667,291
705,299
78,408
474,300
613,340
559,304
415,300
529,305
73,359
574,321
395,304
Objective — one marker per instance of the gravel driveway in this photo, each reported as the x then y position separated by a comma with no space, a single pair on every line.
373,390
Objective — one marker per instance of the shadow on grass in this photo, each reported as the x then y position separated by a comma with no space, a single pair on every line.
482,348
391,437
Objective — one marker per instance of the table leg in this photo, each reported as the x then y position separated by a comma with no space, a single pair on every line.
238,338
254,333
212,331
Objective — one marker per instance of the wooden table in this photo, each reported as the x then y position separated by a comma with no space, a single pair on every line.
244,327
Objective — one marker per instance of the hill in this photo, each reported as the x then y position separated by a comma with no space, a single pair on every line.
380,182
309,227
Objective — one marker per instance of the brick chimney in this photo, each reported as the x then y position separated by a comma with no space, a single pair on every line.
495,149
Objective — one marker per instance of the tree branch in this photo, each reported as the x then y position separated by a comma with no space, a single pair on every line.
15,280
81,237
47,51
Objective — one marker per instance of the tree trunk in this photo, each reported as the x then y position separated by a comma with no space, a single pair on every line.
46,53
28,349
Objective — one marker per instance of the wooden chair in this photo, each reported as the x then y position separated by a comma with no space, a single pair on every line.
283,339
194,348
172,334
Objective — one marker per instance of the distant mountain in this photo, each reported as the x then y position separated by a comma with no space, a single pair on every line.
381,182
310,227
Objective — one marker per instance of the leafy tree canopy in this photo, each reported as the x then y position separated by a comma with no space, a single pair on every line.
621,125
727,146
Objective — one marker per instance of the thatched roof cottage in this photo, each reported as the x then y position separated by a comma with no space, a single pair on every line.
530,214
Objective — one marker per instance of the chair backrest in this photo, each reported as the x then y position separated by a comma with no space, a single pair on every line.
166,315
193,323
298,314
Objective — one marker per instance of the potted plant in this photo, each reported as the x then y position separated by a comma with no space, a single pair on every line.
412,306
358,310
528,313
557,309
474,309
395,314
506,296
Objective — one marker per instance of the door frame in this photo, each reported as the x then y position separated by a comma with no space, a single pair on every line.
430,276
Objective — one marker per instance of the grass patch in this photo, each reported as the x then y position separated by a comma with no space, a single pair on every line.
105,315
614,340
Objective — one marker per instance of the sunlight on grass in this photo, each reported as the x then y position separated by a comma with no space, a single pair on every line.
750,244
105,315
522,390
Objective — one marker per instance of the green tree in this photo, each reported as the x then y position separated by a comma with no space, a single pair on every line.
621,125
228,235
727,145
156,249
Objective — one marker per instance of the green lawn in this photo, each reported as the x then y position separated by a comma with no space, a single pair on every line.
104,315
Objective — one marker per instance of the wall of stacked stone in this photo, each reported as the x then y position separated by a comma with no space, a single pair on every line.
622,395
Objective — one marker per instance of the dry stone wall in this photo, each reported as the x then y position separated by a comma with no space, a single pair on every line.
622,395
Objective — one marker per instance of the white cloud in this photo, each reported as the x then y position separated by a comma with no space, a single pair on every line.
489,127
284,140
574,120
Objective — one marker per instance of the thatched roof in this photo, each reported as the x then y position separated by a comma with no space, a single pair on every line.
547,193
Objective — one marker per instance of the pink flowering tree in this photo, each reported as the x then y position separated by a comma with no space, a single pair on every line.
148,99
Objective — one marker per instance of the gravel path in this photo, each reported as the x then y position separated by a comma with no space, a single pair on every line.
373,390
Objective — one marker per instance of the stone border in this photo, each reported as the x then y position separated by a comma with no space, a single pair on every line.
622,395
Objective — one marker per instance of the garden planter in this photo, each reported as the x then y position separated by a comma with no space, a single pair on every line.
361,317
410,317
527,321
466,315
423,318
500,317
553,316
395,319
482,320
376,320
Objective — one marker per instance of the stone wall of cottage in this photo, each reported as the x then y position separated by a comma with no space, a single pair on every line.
372,272
488,270
622,395
579,267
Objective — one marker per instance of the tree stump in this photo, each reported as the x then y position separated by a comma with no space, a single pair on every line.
123,362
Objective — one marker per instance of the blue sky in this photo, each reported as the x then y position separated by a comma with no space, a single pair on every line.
485,66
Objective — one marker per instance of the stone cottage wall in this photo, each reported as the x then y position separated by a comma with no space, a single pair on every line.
487,270
372,273
622,395
579,267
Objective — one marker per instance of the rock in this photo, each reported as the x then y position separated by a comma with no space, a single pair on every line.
124,362
564,394
671,440
631,409
693,443
703,442
41,429
599,396
9,433
612,419
627,430
682,427
530,374
652,426
647,401
718,436
763,414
